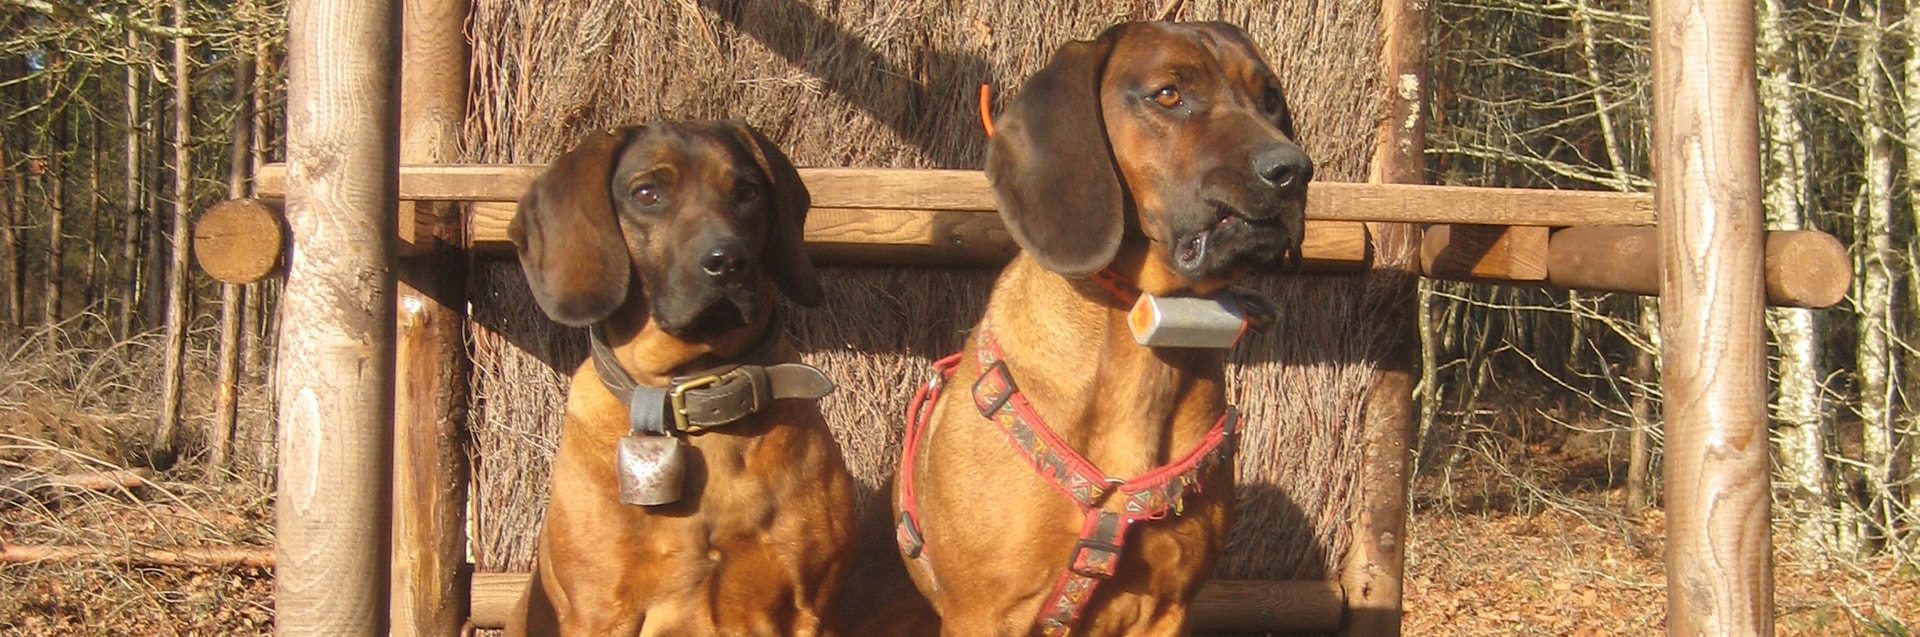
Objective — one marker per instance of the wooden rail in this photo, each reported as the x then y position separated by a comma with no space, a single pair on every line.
1224,607
874,216
966,190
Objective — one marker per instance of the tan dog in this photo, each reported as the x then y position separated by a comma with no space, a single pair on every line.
670,241
1160,156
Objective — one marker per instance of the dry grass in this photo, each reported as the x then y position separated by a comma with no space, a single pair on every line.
74,404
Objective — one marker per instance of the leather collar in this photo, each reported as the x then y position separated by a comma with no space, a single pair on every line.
710,398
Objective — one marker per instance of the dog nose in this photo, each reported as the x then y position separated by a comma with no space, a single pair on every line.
724,259
1285,167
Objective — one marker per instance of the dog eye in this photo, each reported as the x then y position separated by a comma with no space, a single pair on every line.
1167,97
1271,101
646,195
746,191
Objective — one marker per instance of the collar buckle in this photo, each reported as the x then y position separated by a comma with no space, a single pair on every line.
677,398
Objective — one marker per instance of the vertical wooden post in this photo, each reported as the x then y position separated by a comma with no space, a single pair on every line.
335,392
1377,558
430,575
1707,174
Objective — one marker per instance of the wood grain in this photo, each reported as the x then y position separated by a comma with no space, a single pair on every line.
431,364
334,394
1373,572
897,188
1706,157
1503,253
240,241
892,236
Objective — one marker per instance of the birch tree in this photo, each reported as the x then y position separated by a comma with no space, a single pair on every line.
1798,411
1874,288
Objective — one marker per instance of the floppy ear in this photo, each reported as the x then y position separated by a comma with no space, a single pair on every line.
569,243
786,251
1053,175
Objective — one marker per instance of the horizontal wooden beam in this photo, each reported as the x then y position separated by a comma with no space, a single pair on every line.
916,189
1515,253
1803,268
887,236
1224,607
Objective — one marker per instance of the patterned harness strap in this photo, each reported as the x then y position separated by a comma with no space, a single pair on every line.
1103,533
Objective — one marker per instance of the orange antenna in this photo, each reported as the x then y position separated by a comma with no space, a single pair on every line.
986,110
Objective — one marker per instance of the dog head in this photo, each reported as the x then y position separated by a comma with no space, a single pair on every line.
705,214
1177,133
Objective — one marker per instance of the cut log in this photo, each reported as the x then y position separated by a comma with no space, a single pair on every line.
240,241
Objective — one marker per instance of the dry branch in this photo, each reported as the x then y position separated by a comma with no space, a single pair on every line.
90,481
216,556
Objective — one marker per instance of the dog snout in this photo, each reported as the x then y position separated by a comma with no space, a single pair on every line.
1284,167
724,259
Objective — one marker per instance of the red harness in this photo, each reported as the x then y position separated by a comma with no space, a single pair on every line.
1150,496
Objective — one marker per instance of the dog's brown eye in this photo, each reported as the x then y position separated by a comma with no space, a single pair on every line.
746,191
1167,97
645,195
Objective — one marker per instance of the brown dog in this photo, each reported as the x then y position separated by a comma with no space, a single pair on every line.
670,241
1159,155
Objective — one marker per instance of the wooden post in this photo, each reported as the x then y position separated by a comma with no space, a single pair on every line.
335,392
1376,560
430,571
1707,189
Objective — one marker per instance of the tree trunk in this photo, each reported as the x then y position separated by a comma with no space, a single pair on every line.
1910,113
227,376
1640,441
1799,414
90,267
56,191
9,234
179,244
1874,300
256,317
130,200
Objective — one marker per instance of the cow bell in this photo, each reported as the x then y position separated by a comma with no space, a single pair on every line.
650,468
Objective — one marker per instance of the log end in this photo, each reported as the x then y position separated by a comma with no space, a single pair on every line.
240,241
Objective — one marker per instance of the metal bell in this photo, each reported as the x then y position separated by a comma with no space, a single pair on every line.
650,469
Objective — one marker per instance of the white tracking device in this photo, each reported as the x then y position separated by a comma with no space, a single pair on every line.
1187,321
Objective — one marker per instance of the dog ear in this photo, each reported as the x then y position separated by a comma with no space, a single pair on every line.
569,242
1053,175
786,251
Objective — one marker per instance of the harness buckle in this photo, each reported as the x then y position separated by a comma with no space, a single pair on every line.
677,398
907,535
996,370
1095,559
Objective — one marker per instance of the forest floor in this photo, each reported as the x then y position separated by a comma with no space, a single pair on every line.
1554,572
1518,532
